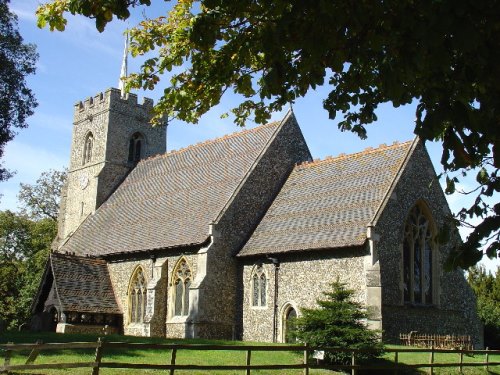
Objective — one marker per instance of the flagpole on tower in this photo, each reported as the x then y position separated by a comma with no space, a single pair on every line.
123,72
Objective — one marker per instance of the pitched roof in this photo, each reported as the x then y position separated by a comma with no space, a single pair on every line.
83,284
169,200
328,203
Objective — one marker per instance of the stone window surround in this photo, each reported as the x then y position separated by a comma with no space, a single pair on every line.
424,207
263,270
137,269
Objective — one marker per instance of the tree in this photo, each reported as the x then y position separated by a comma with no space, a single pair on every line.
441,54
17,60
487,289
338,322
24,248
41,200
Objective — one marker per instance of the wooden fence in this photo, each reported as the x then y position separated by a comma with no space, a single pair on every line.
436,341
100,348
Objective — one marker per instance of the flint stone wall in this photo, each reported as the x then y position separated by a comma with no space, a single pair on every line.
302,279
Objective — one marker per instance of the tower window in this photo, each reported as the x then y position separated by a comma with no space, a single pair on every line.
87,149
135,148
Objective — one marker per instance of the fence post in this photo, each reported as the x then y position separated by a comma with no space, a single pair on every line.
306,359
461,359
34,353
396,357
487,360
172,360
8,354
353,363
431,360
249,356
98,356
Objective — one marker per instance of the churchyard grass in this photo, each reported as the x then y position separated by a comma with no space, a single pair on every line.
155,356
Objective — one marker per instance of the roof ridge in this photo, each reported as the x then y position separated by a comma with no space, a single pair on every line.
366,151
210,141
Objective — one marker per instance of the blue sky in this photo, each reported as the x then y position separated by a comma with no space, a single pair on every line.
81,62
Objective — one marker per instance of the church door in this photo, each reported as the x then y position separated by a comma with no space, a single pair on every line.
289,324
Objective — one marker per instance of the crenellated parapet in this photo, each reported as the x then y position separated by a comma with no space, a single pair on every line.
111,99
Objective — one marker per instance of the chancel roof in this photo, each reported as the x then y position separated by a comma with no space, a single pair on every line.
328,203
170,200
83,284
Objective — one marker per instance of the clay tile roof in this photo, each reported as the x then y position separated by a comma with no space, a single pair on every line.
83,284
328,203
170,200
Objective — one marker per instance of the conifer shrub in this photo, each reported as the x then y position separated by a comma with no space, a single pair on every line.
338,322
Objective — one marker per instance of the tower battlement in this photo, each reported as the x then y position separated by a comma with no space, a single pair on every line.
111,100
112,95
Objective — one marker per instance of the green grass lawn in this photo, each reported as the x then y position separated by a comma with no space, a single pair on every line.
157,356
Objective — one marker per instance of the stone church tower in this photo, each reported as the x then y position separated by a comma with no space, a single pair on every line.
111,133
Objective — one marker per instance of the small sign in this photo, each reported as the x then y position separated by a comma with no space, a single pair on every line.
319,354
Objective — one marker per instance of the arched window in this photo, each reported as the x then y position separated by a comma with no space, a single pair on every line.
182,282
87,148
418,260
137,296
135,148
259,287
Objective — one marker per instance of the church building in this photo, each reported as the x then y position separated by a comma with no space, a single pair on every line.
231,237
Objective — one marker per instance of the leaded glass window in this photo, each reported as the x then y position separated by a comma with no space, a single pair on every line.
182,283
259,287
417,259
137,297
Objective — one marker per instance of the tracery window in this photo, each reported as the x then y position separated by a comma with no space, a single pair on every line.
87,148
418,260
259,287
182,282
135,147
137,297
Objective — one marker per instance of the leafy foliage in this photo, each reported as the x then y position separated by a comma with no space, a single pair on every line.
24,248
441,54
487,289
17,60
41,200
338,322
25,241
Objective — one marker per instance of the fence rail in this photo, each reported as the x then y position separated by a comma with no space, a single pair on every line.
246,368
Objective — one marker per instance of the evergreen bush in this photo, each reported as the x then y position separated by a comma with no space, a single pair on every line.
338,322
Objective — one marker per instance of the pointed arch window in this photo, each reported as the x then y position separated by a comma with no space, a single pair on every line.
137,297
418,259
182,283
135,147
88,148
259,287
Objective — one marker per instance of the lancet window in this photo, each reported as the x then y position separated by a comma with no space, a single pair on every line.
88,148
135,148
